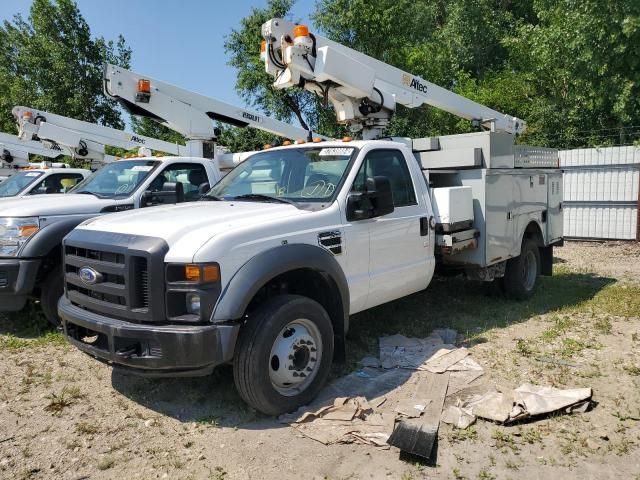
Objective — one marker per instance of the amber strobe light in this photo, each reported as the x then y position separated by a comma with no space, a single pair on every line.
144,86
300,31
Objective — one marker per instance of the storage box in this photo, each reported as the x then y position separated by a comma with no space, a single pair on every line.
452,208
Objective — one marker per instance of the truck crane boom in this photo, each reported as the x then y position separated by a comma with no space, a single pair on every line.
14,153
363,91
188,113
82,139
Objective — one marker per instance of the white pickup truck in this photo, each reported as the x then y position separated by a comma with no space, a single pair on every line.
38,181
266,269
32,228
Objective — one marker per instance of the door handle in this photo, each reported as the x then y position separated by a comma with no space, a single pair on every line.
424,226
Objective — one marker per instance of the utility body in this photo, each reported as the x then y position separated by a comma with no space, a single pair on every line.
265,271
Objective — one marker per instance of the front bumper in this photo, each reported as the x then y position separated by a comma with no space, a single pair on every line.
148,350
17,281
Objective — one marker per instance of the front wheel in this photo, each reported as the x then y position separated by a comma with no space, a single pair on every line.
522,272
283,354
51,291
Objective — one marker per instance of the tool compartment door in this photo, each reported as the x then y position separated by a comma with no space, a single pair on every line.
555,214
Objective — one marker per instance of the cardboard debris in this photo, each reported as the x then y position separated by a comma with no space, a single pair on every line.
444,359
460,380
458,417
527,401
418,436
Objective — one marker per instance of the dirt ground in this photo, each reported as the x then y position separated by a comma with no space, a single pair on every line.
64,415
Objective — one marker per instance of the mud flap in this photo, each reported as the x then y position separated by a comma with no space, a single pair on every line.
546,261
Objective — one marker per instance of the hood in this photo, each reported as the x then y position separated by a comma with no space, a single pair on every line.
52,204
195,222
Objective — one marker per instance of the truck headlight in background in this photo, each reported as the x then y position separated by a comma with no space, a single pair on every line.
192,291
15,232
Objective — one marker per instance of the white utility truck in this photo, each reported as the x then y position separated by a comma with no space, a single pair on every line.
265,271
24,178
31,230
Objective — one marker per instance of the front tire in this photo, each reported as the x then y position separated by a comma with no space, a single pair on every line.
51,291
283,354
522,272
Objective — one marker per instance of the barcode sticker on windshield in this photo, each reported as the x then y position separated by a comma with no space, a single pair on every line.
335,152
141,168
32,174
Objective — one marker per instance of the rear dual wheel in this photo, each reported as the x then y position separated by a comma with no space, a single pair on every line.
522,272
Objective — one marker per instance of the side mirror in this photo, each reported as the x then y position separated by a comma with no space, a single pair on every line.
172,192
204,188
376,201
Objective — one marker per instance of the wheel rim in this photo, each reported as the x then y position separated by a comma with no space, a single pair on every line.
529,270
295,357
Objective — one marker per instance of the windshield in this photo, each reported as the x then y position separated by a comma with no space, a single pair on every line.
117,179
294,174
17,183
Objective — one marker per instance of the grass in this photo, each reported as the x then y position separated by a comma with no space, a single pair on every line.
458,435
476,312
27,329
504,441
59,401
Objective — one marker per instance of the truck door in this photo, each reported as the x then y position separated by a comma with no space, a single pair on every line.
399,253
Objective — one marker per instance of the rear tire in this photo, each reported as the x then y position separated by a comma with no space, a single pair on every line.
522,272
283,354
51,291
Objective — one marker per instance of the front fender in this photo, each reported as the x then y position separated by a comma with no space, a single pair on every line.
254,274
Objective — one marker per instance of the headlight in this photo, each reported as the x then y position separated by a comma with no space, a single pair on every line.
193,303
14,233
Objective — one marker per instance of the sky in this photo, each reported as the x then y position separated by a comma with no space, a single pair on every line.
176,41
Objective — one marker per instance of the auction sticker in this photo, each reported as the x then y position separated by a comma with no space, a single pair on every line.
336,152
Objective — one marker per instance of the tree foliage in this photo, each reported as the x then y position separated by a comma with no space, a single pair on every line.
52,62
570,68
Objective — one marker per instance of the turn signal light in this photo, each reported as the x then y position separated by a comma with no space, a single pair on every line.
300,141
204,274
144,86
28,230
300,31
347,139
317,140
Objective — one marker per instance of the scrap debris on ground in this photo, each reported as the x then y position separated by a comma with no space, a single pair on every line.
398,398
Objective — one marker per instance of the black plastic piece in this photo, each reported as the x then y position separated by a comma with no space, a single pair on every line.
18,281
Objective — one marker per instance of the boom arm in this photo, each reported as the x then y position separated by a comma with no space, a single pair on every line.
364,91
14,153
186,112
83,139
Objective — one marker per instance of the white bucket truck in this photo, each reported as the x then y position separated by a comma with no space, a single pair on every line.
265,272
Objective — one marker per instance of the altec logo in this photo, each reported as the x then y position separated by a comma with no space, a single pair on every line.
251,116
138,139
414,83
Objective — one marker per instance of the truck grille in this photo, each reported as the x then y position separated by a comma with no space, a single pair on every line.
114,278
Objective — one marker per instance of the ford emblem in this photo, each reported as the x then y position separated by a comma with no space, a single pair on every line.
89,276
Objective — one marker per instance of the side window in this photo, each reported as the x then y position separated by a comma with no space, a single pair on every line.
190,175
390,164
57,183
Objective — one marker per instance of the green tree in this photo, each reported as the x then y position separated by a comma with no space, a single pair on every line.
51,61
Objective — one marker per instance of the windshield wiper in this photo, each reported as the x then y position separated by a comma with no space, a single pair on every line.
211,198
266,198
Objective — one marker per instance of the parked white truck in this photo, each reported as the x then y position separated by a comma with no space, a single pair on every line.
31,230
265,271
